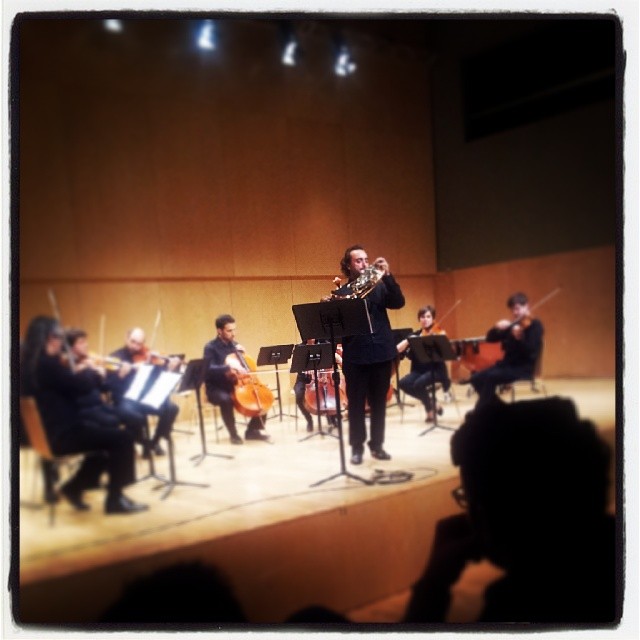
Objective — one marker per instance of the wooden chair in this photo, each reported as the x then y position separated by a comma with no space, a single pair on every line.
38,438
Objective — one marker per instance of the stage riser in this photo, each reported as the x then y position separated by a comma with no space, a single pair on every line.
342,558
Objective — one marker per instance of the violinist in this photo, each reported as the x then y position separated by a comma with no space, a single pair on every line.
56,389
423,375
521,339
133,353
92,407
223,361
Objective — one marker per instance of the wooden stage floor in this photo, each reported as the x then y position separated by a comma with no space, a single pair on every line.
284,543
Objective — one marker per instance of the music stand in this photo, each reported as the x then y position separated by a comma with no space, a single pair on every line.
430,350
328,321
275,355
398,336
313,356
192,380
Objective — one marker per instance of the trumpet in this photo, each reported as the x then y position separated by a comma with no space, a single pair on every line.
361,287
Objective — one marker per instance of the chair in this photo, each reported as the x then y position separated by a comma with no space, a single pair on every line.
532,383
38,438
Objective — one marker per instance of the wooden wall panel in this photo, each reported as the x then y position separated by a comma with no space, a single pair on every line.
192,219
391,209
317,196
256,217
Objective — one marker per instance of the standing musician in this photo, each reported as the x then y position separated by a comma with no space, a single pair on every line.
367,359
223,371
135,352
423,375
56,389
521,339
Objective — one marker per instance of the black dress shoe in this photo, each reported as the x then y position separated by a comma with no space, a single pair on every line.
356,457
122,504
74,496
236,439
254,434
380,454
158,450
309,427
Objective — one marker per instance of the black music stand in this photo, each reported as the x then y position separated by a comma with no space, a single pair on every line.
275,355
192,380
329,321
430,350
398,336
307,357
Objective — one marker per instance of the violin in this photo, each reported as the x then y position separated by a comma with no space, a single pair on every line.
434,330
147,356
251,398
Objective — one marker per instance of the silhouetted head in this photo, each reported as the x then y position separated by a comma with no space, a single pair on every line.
534,475
182,593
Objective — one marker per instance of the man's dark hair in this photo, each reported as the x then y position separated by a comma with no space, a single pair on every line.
73,335
346,259
517,298
223,320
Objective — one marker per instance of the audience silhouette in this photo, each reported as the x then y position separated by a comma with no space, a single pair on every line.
185,593
535,489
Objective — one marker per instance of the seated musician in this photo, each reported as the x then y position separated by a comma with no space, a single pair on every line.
135,352
422,376
56,389
300,388
521,339
223,370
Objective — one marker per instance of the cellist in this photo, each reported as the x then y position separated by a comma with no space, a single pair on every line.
225,365
422,375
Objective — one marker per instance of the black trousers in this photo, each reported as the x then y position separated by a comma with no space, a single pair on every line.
299,388
367,383
418,385
222,398
134,415
109,450
485,382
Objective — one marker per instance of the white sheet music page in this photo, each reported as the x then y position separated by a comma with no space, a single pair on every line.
138,382
163,386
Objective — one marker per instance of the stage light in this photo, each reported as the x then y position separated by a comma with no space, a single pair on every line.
291,53
114,26
344,62
207,36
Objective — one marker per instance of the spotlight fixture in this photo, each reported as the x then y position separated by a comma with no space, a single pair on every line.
291,53
115,26
207,36
345,65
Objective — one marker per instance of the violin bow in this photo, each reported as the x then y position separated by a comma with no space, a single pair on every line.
154,335
546,298
450,311
56,313
101,334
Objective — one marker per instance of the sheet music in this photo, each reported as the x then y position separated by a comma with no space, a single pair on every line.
163,386
137,384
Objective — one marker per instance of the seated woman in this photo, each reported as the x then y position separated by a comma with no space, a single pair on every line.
56,388
422,375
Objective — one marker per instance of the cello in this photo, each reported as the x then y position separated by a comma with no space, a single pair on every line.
324,402
251,398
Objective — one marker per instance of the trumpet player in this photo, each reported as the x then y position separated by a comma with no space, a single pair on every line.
367,359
